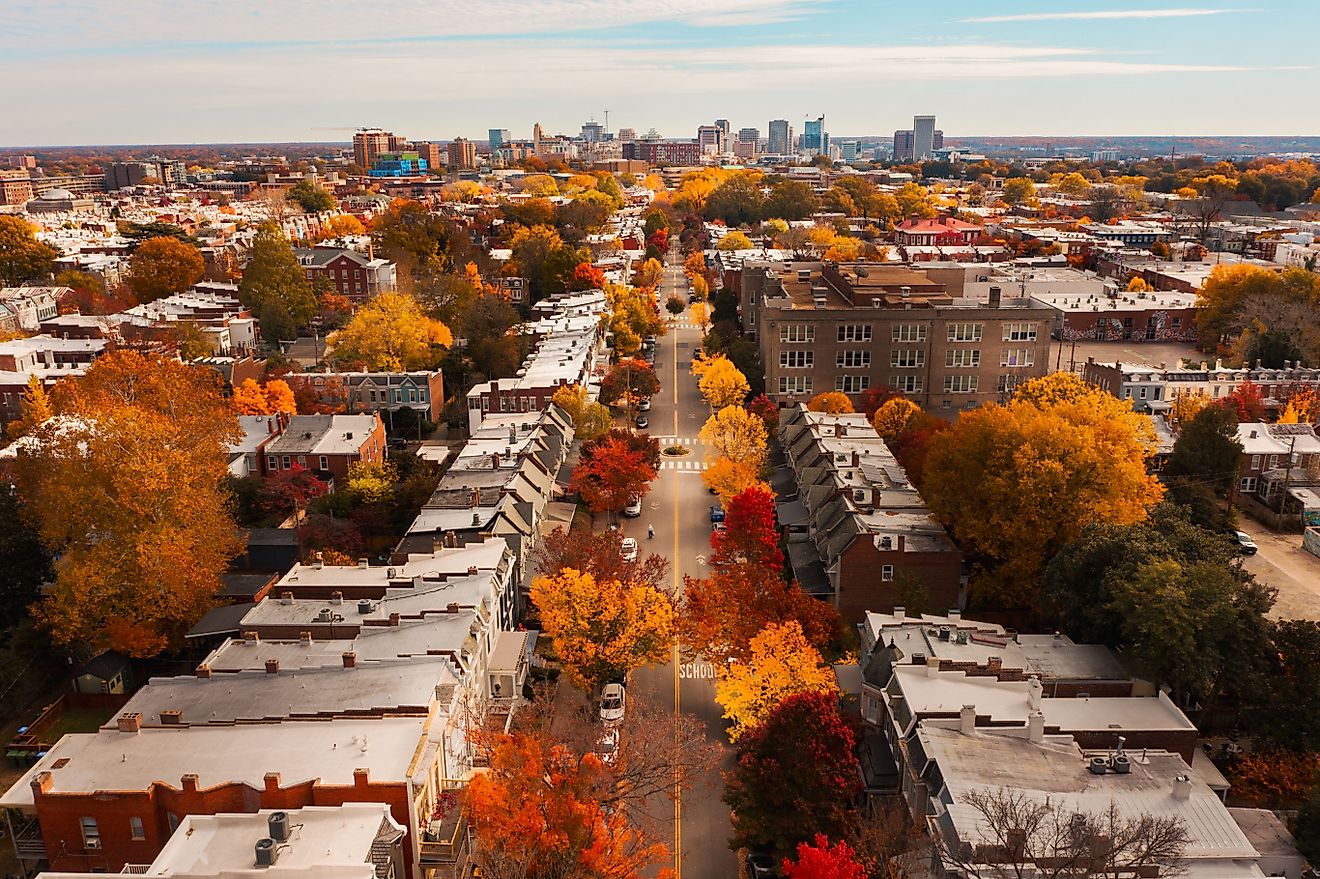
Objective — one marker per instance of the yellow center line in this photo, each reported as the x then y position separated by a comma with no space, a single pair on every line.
678,793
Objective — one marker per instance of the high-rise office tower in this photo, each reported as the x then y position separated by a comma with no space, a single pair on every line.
710,139
627,135
749,135
462,154
498,137
849,150
815,139
781,137
923,136
902,144
723,125
593,131
537,136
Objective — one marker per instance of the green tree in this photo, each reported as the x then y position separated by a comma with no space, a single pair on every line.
737,201
1306,827
275,286
22,256
609,186
311,198
1019,191
791,200
1205,461
1289,714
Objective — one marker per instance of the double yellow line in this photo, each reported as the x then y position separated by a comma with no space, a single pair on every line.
678,792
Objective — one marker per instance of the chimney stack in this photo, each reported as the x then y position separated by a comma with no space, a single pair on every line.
1182,788
1034,693
336,598
1036,727
967,720
130,722
305,638
203,671
350,659
932,666
272,666
996,297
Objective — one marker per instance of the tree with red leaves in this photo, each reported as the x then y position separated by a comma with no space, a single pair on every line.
289,491
1248,402
586,277
767,410
640,442
796,776
659,239
722,613
914,441
598,554
612,475
751,534
631,378
820,860
874,397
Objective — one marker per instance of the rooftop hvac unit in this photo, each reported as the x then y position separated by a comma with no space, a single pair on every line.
278,823
267,853
364,607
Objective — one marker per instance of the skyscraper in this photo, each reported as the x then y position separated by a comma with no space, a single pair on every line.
593,131
781,137
711,139
903,145
462,154
815,139
369,143
498,137
849,150
923,136
723,125
537,136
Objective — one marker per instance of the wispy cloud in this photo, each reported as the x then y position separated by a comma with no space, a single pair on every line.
1100,15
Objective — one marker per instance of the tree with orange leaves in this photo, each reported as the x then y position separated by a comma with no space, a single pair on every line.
586,277
831,403
723,612
127,481
539,813
275,396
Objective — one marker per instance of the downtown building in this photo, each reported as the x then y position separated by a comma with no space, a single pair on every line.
824,326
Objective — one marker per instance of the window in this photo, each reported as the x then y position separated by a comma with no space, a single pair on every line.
272,463
173,821
324,463
960,384
965,332
962,357
887,573
1255,462
909,333
302,461
797,333
852,384
1177,323
795,384
1008,383
1020,332
907,358
852,359
286,462
855,333
91,833
1142,393
797,359
1247,484
135,828
1274,461
908,384
1018,357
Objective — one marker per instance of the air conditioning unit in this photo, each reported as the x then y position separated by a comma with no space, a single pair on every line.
92,843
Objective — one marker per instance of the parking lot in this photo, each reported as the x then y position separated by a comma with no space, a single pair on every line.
1283,564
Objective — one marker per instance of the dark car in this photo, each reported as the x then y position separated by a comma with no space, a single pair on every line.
717,514
642,422
761,865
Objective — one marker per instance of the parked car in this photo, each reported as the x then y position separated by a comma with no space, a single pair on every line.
718,526
634,508
761,865
693,298
643,422
629,549
607,747
1246,545
645,405
649,341
613,701
716,514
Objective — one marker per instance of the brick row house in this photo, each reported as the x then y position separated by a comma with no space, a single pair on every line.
386,392
355,276
327,445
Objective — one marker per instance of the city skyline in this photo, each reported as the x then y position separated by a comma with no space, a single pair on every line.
287,74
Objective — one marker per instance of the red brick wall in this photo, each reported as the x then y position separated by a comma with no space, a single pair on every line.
861,589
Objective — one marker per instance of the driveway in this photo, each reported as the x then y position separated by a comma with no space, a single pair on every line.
1283,564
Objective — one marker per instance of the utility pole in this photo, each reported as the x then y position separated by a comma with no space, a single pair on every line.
1287,476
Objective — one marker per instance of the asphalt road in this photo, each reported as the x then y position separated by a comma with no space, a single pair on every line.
678,507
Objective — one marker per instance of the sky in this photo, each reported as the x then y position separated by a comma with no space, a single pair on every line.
200,71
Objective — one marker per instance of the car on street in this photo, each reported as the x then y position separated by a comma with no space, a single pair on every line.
607,746
761,865
649,341
613,701
716,514
634,507
628,549
1246,545
693,298
645,405
718,527
643,422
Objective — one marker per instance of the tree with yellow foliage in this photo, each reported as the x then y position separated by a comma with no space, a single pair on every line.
33,410
603,630
1019,191
1018,482
913,201
1303,407
391,332
735,434
1073,185
590,419
720,382
734,240
831,403
276,396
650,273
128,481
700,314
539,185
695,189
729,478
893,417
341,225
1186,404
1138,285
781,663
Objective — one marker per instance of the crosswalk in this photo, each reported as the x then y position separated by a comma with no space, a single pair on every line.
688,441
688,464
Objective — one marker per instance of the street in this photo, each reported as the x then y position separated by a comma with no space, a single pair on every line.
678,508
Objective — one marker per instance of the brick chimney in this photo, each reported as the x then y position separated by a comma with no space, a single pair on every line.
350,659
171,717
189,783
272,782
272,666
203,671
130,722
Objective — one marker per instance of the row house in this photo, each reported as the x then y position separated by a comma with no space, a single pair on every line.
48,358
327,445
29,306
323,701
355,276
859,534
565,355
1155,388
500,484
942,231
1277,458
386,392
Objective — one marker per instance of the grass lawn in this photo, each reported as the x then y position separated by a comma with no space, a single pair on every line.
76,721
